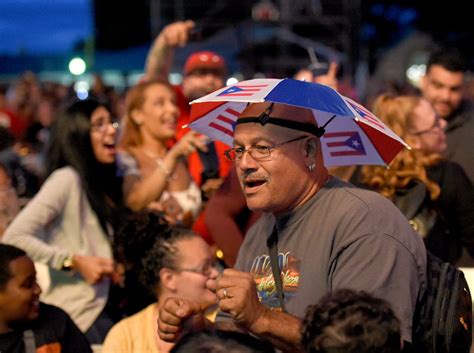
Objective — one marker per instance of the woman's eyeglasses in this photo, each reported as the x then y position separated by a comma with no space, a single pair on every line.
102,126
436,125
204,270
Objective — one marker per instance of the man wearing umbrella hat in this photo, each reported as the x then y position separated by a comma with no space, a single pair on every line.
317,234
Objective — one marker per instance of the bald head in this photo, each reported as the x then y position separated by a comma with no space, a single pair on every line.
281,111
286,116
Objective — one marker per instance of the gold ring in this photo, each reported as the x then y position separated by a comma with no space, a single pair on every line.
224,292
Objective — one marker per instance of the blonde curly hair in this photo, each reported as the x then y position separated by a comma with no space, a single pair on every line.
397,112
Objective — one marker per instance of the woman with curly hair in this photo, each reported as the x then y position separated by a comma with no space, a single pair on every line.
435,194
178,264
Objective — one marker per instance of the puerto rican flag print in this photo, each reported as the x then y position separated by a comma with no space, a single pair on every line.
248,91
242,91
225,121
353,134
346,143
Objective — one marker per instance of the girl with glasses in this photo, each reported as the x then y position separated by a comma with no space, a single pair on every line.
66,228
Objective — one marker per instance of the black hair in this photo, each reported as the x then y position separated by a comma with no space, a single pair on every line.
450,59
70,145
219,341
351,322
145,243
8,253
162,255
6,138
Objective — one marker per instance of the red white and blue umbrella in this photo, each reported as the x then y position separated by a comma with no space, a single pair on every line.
353,135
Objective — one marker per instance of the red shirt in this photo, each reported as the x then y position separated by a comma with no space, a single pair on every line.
194,162
195,166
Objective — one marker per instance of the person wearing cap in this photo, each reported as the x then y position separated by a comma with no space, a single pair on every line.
203,73
317,233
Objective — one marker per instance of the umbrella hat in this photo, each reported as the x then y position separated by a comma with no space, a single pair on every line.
351,135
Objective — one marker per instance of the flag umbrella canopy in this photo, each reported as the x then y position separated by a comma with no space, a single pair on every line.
352,134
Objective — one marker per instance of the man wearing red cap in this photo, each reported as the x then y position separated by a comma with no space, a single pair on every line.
204,72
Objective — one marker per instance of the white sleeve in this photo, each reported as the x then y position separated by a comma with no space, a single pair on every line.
46,207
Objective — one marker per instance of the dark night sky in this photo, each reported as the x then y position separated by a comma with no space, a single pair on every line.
55,26
43,26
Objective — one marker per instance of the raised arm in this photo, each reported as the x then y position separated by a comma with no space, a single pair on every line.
160,57
140,192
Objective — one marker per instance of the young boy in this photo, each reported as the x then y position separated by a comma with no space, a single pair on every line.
26,325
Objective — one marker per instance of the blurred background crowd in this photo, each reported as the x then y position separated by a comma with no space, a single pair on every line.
97,105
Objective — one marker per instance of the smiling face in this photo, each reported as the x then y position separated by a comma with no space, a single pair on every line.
201,82
19,299
103,135
281,182
427,129
158,114
443,89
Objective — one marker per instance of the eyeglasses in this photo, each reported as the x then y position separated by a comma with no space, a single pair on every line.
205,270
436,125
102,126
256,152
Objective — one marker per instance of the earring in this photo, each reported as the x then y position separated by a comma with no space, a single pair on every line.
311,167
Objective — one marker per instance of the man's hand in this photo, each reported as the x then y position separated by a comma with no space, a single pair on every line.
189,143
176,34
175,315
330,78
93,268
211,186
238,297
160,57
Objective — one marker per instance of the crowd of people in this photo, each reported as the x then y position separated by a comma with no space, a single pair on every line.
122,230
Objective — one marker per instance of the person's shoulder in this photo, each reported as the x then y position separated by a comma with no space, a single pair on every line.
465,114
52,317
67,173
446,171
136,321
349,196
365,212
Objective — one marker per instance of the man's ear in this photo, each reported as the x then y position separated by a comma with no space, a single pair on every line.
423,81
168,279
311,147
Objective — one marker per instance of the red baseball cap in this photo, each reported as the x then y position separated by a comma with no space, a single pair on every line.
205,60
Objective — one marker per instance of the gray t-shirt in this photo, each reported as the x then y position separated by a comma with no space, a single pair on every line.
344,237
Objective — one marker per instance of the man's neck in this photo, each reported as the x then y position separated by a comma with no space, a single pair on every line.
315,186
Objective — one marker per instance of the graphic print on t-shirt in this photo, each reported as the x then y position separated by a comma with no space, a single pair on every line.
262,272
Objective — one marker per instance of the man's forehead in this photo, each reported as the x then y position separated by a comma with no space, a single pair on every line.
441,75
283,111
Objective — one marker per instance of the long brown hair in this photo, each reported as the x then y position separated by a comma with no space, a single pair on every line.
409,164
134,100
